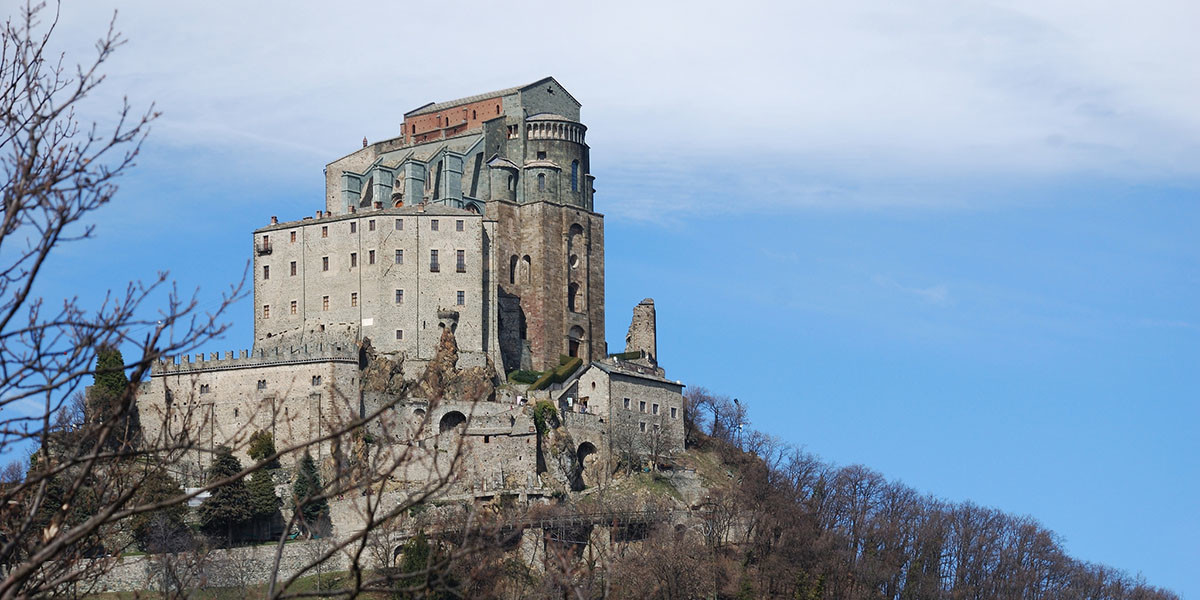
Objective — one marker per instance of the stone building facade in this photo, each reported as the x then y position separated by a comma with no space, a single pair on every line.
397,276
517,156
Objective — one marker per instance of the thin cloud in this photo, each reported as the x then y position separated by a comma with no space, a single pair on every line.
938,295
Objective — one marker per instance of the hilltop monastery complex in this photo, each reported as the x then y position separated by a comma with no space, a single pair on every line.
444,259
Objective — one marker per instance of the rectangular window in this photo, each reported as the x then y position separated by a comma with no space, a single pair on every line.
294,307
353,227
642,406
371,225
399,257
458,225
643,427
293,268
266,241
316,380
324,231
370,257
674,412
324,302
654,409
324,263
399,296
262,385
353,259
293,237
433,261
627,403
460,261
399,334
461,299
399,224
266,311
266,271
204,388
353,298
433,224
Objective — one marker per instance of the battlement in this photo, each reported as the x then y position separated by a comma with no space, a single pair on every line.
246,359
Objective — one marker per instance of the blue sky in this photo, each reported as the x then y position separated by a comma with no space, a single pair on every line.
953,241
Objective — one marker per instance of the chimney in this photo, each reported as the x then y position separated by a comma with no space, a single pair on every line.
378,205
318,214
421,207
274,220
352,209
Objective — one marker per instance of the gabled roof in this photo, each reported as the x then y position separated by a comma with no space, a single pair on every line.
436,106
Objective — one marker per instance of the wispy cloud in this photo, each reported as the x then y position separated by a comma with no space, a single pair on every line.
875,91
938,295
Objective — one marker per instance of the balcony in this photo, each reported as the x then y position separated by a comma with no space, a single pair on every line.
262,248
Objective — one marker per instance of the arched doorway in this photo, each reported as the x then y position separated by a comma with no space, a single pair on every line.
586,460
451,421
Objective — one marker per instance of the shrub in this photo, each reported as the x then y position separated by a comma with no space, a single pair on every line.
544,416
524,376
558,375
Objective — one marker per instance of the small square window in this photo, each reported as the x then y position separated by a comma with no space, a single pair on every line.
433,224
316,380
353,227
399,257
324,263
399,224
204,388
324,302
399,296
458,225
294,307
353,259
266,311
293,268
354,299
399,334
461,298
266,271
262,384
371,225
627,403
370,257
324,231
541,155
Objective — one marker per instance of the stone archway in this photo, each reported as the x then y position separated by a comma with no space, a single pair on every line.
452,421
585,457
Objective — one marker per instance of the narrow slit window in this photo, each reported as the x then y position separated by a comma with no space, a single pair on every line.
294,307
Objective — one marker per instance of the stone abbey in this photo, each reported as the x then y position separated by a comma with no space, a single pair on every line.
444,259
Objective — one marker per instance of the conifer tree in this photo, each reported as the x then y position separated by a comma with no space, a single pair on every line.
110,390
151,529
264,503
308,485
262,445
229,505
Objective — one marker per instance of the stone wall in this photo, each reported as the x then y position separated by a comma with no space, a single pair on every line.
371,274
223,402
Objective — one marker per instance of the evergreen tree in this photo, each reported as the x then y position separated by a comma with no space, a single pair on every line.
262,445
108,395
264,504
229,505
308,484
159,530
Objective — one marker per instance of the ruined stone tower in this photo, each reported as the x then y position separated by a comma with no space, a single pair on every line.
642,336
518,157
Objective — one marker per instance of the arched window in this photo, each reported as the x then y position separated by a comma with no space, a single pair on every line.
541,182
574,176
512,269
573,297
474,115
526,266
